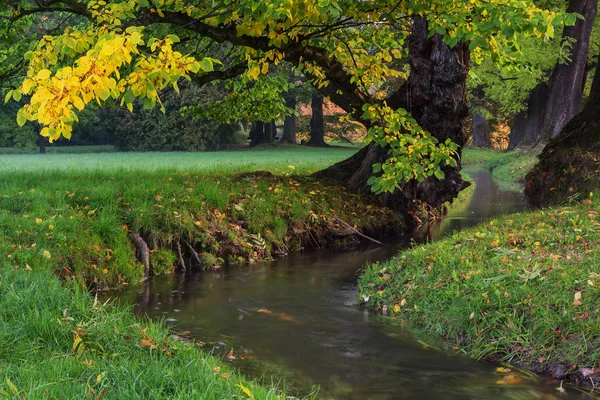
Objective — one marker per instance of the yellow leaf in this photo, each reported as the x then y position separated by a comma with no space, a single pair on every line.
43,74
397,308
46,254
246,390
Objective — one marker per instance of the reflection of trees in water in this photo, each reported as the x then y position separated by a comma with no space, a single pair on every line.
487,201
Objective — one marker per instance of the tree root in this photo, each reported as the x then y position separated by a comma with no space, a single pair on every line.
143,252
357,232
180,261
194,253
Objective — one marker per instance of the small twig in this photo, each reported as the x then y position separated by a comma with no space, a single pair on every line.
194,253
143,252
357,232
180,262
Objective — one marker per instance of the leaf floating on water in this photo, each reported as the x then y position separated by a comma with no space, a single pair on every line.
503,370
511,379
264,311
230,355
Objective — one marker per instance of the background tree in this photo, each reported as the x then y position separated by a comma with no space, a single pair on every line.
569,165
133,49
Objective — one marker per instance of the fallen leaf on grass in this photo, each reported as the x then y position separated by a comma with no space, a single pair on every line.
577,300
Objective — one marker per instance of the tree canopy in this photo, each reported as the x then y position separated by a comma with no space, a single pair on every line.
60,55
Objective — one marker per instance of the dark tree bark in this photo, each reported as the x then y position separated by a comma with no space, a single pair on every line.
482,133
270,131
42,144
289,124
437,101
564,99
317,126
261,133
536,109
517,130
569,165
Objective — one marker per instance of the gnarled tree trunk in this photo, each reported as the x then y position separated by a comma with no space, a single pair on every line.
566,82
569,165
317,127
436,99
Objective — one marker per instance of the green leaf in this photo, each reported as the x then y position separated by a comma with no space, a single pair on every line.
143,3
207,65
439,174
16,95
570,19
8,96
21,120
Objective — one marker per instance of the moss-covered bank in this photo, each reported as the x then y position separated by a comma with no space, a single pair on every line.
524,288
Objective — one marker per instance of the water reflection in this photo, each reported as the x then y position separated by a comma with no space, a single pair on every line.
297,318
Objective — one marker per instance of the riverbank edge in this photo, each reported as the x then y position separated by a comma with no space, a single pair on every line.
58,342
518,289
58,244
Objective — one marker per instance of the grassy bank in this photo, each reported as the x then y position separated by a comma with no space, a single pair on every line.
205,208
508,167
55,342
523,288
69,216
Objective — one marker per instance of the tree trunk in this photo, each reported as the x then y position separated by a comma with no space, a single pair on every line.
536,109
564,99
317,129
289,124
261,133
482,133
42,144
569,165
437,101
517,130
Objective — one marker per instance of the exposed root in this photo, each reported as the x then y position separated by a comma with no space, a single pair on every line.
180,261
194,253
356,231
143,252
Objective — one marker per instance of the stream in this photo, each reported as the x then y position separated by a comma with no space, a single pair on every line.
297,321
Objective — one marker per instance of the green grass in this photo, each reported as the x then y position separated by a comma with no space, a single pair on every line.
60,150
68,215
55,342
508,289
304,159
72,213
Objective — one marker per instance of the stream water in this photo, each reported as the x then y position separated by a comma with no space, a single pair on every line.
297,320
